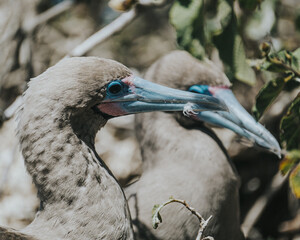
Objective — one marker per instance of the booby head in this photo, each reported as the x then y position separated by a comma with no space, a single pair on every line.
108,88
134,95
179,69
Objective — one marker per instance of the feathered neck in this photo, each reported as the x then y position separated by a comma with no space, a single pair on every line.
80,199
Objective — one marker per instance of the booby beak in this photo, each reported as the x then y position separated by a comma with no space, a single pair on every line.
134,95
237,119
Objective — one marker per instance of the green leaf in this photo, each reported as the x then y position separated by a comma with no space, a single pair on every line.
232,52
188,22
290,126
295,181
156,217
215,24
290,160
266,96
296,59
224,43
183,15
243,71
198,31
194,27
292,84
296,53
273,65
261,22
282,62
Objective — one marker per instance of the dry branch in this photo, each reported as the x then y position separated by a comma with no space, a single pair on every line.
5,173
154,3
115,26
30,25
156,218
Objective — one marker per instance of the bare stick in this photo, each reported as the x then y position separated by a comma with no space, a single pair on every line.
115,26
30,25
10,111
6,170
203,225
156,3
156,218
260,204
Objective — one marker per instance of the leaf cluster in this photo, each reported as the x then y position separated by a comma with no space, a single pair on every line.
206,26
286,67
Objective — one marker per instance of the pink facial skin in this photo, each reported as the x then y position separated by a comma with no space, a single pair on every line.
112,109
214,90
128,80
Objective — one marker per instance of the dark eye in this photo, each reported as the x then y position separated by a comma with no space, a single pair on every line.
114,87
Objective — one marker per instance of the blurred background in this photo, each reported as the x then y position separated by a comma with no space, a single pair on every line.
35,34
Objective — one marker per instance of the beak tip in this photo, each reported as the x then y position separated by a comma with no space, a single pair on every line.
278,153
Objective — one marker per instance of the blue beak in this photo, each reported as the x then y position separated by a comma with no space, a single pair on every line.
134,95
237,119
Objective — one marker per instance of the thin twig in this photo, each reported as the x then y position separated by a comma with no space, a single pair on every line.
30,25
280,62
12,109
191,209
203,225
256,210
154,3
202,222
289,68
6,171
115,26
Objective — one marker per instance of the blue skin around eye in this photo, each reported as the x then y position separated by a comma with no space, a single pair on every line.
124,88
203,89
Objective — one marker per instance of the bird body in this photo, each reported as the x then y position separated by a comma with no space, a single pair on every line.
57,143
191,167
183,159
74,192
62,111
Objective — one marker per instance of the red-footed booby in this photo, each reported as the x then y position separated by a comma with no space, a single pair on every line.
185,159
63,109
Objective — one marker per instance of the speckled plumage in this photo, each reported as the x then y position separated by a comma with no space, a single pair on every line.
80,198
185,160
